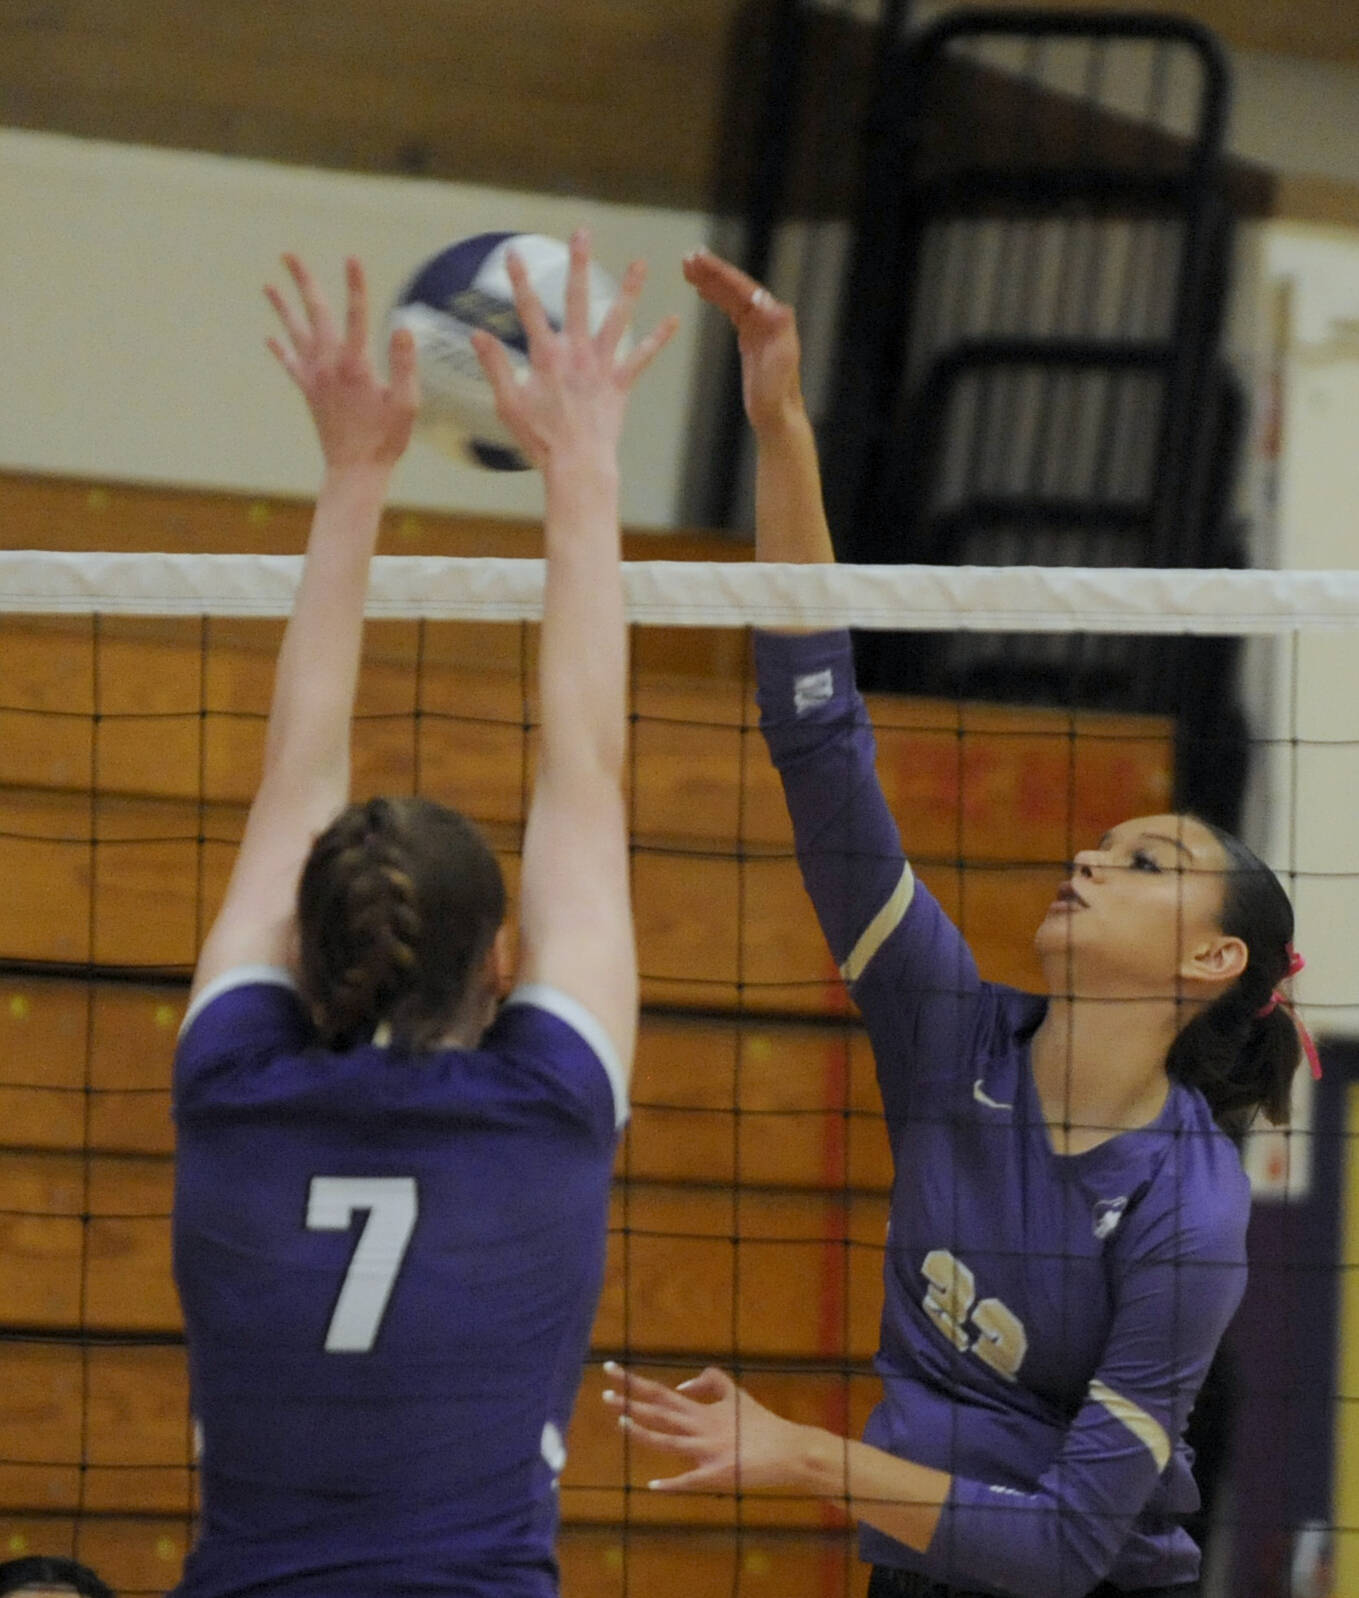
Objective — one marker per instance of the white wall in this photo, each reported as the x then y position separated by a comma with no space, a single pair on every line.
132,329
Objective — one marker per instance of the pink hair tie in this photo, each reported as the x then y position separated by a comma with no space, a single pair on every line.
1309,1048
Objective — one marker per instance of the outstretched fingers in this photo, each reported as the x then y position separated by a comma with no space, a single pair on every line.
356,309
647,350
297,334
532,316
577,323
639,1414
403,370
734,292
709,1385
680,1409
496,363
318,311
691,1421
620,313
638,1387
285,358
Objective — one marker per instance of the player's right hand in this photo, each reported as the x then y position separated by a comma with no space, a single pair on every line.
766,333
573,394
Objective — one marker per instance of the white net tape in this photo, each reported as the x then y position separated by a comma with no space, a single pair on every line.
710,594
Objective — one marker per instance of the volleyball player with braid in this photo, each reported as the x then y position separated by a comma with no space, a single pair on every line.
1068,1213
391,1191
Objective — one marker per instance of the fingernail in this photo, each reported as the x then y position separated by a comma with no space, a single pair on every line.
613,1368
681,1387
625,1421
608,1395
654,1484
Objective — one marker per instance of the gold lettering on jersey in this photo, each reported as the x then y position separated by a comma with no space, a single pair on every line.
951,1303
949,1295
1001,1339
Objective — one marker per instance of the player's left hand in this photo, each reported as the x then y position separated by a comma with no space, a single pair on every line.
359,418
728,1438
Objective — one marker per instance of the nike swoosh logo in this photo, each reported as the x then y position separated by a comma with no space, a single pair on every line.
983,1097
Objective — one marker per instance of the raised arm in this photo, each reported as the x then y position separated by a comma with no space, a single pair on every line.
575,907
790,519
887,935
363,424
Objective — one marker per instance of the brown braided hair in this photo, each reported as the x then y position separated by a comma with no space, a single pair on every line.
398,905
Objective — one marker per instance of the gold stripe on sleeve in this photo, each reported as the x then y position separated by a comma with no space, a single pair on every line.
1143,1427
881,927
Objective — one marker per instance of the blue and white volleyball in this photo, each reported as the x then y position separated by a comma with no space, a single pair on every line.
466,287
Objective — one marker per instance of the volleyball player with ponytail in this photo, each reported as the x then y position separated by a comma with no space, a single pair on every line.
1068,1214
391,1191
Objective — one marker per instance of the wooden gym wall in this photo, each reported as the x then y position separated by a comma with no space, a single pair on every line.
655,104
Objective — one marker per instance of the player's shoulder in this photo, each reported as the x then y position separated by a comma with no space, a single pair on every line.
247,1015
560,1046
246,1010
1198,1191
1015,1011
267,990
1005,1019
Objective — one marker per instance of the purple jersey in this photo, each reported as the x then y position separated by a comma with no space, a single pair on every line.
1047,1320
389,1266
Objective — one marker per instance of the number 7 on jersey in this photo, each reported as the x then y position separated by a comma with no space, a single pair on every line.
392,1208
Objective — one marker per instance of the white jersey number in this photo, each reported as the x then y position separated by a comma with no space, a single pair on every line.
951,1302
392,1208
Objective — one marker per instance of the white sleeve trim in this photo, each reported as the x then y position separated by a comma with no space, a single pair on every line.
580,1020
238,977
881,927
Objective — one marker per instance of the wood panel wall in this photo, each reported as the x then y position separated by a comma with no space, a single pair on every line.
656,105
751,1199
605,98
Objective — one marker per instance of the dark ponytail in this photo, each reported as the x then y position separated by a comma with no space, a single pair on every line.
1240,1059
399,902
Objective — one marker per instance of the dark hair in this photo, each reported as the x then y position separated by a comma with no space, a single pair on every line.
399,902
1241,1061
36,1571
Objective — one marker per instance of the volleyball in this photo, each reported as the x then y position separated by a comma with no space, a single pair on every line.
466,287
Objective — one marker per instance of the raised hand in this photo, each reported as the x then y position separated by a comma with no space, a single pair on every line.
359,418
573,393
728,1438
766,332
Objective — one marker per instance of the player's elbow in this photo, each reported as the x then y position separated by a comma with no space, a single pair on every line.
1080,1556
1037,1550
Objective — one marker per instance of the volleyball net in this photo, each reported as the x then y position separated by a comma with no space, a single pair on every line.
1019,713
